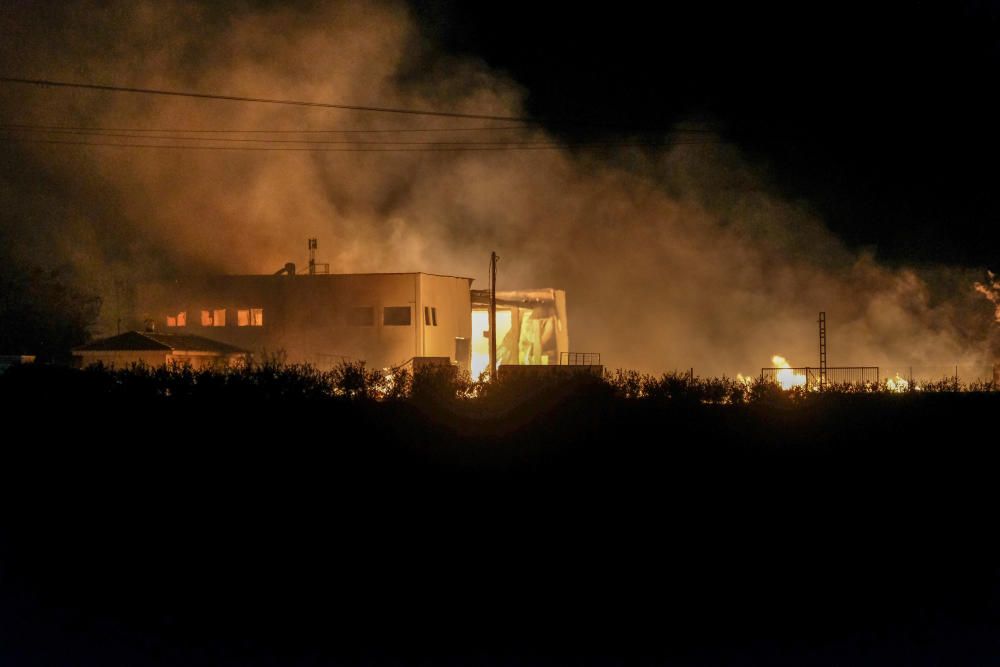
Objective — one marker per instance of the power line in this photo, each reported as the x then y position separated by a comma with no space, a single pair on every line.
524,121
116,135
381,148
263,100
26,126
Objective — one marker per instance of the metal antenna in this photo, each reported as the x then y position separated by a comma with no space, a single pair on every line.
312,256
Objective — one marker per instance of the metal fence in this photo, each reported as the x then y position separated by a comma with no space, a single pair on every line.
809,377
961,373
579,358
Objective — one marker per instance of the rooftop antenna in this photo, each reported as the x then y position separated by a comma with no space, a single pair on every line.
313,265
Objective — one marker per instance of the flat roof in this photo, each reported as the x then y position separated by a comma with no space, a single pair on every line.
338,275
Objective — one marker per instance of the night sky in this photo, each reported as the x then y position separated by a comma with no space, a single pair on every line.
880,118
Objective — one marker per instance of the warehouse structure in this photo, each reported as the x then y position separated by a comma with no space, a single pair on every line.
382,319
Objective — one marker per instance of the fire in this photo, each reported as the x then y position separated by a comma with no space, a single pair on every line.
786,377
900,385
897,384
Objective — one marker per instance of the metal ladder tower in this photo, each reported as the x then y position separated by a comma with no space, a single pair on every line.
822,351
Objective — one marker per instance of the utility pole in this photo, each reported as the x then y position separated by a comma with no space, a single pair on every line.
822,351
493,315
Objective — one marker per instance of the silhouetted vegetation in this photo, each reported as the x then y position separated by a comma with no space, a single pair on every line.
277,514
273,379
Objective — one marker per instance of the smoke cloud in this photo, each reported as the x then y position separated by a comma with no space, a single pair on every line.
671,257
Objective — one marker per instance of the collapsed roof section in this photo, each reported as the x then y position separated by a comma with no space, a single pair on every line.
532,327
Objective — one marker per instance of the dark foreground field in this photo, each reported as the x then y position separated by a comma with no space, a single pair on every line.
266,522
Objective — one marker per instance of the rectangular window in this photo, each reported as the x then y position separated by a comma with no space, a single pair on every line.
250,317
396,316
178,320
361,316
434,316
213,318
427,316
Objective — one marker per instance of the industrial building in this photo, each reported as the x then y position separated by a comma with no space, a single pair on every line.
381,319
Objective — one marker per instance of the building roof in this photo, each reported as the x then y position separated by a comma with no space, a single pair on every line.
144,341
339,275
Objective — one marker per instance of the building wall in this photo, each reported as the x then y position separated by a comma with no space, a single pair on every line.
450,337
314,318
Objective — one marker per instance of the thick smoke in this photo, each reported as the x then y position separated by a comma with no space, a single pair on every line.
671,258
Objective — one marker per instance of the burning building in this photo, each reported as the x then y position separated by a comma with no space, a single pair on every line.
532,328
382,319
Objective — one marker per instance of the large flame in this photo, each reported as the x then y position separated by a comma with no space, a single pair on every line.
786,377
897,384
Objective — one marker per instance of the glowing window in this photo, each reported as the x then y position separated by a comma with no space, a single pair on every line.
361,316
250,317
178,320
396,316
213,318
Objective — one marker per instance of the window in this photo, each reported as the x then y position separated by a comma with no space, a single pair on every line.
434,316
427,316
178,320
361,316
430,316
396,316
213,318
250,317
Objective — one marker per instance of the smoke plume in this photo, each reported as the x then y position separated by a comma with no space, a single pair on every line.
672,257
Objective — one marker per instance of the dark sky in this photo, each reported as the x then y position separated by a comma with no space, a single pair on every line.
882,118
